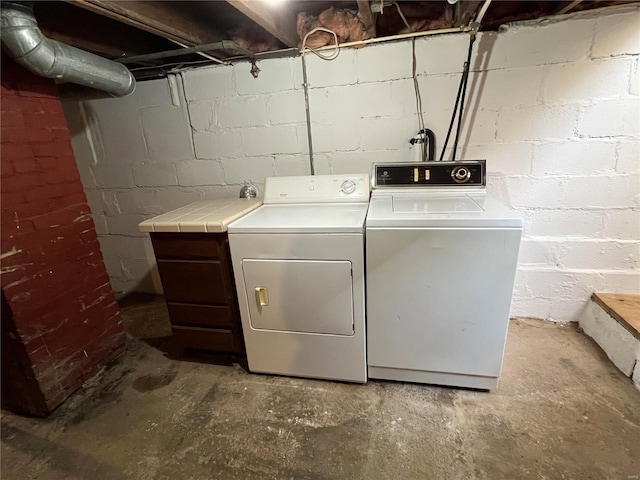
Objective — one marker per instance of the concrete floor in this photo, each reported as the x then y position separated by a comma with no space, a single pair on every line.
562,411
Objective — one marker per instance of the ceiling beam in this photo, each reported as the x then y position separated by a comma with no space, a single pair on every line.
279,22
165,19
367,17
465,12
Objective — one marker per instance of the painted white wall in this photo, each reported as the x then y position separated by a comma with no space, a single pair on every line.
553,106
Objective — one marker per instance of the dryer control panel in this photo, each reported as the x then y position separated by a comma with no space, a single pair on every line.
426,174
345,188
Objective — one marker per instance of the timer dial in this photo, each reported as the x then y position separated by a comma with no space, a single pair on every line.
348,186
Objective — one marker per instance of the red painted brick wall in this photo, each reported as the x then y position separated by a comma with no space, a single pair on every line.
52,271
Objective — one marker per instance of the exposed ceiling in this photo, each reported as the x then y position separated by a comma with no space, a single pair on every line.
122,30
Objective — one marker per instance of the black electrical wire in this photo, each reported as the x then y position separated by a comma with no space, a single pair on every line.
459,104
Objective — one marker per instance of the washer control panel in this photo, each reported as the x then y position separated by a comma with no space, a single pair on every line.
430,174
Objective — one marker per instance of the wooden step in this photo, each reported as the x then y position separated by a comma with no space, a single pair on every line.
624,308
613,321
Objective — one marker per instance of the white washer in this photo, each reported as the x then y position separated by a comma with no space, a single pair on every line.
298,262
441,259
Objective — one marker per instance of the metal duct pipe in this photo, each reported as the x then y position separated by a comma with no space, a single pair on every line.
26,44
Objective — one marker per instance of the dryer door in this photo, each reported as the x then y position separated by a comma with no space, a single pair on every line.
306,296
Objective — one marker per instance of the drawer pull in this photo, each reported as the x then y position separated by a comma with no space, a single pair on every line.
262,297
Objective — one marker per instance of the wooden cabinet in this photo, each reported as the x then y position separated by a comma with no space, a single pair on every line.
197,278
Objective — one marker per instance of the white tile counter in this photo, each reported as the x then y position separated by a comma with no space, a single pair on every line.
211,216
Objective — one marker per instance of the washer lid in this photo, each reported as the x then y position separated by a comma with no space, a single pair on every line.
401,210
303,218
433,205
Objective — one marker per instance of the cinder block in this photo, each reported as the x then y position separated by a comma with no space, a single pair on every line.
617,34
111,176
249,111
438,98
135,268
535,44
565,310
153,93
531,192
95,199
351,162
544,282
208,83
634,82
120,130
564,223
611,118
353,102
383,62
511,87
370,156
440,54
286,108
322,163
239,171
531,308
100,222
126,224
623,224
167,133
210,145
292,165
628,156
619,281
598,254
538,122
227,191
202,115
616,191
333,138
587,80
502,158
478,127
138,200
258,141
617,342
154,174
200,172
574,157
382,134
538,252
275,76
171,198
341,71
319,106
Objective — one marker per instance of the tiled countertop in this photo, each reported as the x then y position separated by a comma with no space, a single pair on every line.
211,216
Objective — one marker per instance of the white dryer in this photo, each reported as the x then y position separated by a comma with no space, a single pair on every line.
298,263
441,262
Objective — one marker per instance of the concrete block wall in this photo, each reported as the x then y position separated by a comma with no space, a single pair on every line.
553,106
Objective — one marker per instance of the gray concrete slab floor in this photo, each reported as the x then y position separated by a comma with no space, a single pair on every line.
561,411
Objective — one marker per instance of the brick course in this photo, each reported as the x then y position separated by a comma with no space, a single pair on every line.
63,309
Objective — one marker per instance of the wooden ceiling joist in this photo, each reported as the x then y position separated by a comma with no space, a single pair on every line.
160,18
279,22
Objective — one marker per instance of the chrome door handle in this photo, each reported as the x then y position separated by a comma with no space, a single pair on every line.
262,296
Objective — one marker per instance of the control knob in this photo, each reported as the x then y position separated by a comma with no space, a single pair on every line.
460,174
348,186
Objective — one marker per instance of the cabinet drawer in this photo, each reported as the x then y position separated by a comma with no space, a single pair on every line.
200,315
194,282
205,338
189,245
